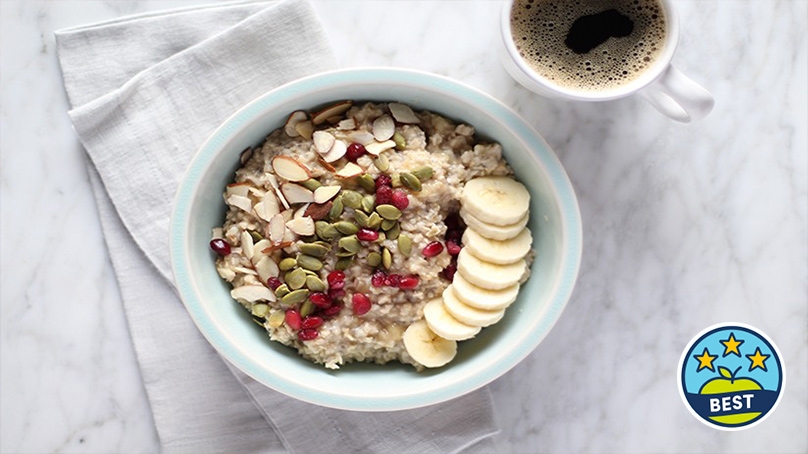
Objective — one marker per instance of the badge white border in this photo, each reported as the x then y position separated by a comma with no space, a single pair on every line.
683,358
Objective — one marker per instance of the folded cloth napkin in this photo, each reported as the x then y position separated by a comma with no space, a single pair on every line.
146,91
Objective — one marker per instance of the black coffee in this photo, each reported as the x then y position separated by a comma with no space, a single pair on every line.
588,44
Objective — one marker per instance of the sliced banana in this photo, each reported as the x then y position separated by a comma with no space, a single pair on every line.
499,252
483,298
426,347
489,275
495,200
494,232
468,314
444,325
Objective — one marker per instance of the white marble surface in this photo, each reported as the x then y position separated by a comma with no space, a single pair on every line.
685,226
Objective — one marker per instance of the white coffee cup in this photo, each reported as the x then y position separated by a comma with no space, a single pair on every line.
661,84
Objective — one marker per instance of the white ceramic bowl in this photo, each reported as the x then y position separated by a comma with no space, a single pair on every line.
554,221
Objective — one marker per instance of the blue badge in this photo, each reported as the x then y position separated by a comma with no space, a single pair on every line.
731,376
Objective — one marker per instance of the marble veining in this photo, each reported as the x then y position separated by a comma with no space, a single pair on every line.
685,226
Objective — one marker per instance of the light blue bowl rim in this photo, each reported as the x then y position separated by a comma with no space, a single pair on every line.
570,219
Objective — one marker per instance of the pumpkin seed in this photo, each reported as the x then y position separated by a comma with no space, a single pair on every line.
361,218
287,264
395,180
282,291
374,259
306,308
388,224
276,319
325,230
260,310
343,263
423,173
310,273
310,263
351,198
315,284
295,297
381,163
410,181
255,235
311,184
404,244
367,182
314,249
387,259
394,231
374,221
350,243
296,278
388,212
346,227
308,239
368,202
337,206
382,237
400,141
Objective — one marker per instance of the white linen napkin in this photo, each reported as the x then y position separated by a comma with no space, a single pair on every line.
146,92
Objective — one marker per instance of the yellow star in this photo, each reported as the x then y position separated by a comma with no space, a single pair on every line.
758,360
705,360
731,345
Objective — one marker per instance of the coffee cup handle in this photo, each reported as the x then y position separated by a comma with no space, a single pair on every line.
678,97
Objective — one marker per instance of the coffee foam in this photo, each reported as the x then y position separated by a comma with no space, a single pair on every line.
539,28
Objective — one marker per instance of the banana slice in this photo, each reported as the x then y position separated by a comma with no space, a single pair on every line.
488,275
446,326
468,314
491,231
484,299
499,252
495,200
426,347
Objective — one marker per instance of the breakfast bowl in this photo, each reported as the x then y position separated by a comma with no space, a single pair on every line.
554,222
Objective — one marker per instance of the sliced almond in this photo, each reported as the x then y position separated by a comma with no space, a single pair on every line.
267,207
337,151
363,137
331,111
326,193
277,228
273,181
350,170
267,268
252,293
240,189
302,226
300,211
318,211
241,202
247,245
346,124
295,193
245,270
289,169
245,155
276,247
376,148
287,215
325,164
323,141
383,128
296,117
402,113
305,129
258,193
258,250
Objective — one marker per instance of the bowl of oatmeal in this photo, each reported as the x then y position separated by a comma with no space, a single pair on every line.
375,239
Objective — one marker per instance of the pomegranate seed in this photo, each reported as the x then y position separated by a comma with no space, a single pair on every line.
453,248
393,280
449,272
307,334
293,319
220,246
409,282
274,283
367,235
361,303
432,249
384,195
335,277
355,151
378,279
336,293
333,310
384,180
311,322
320,300
400,200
